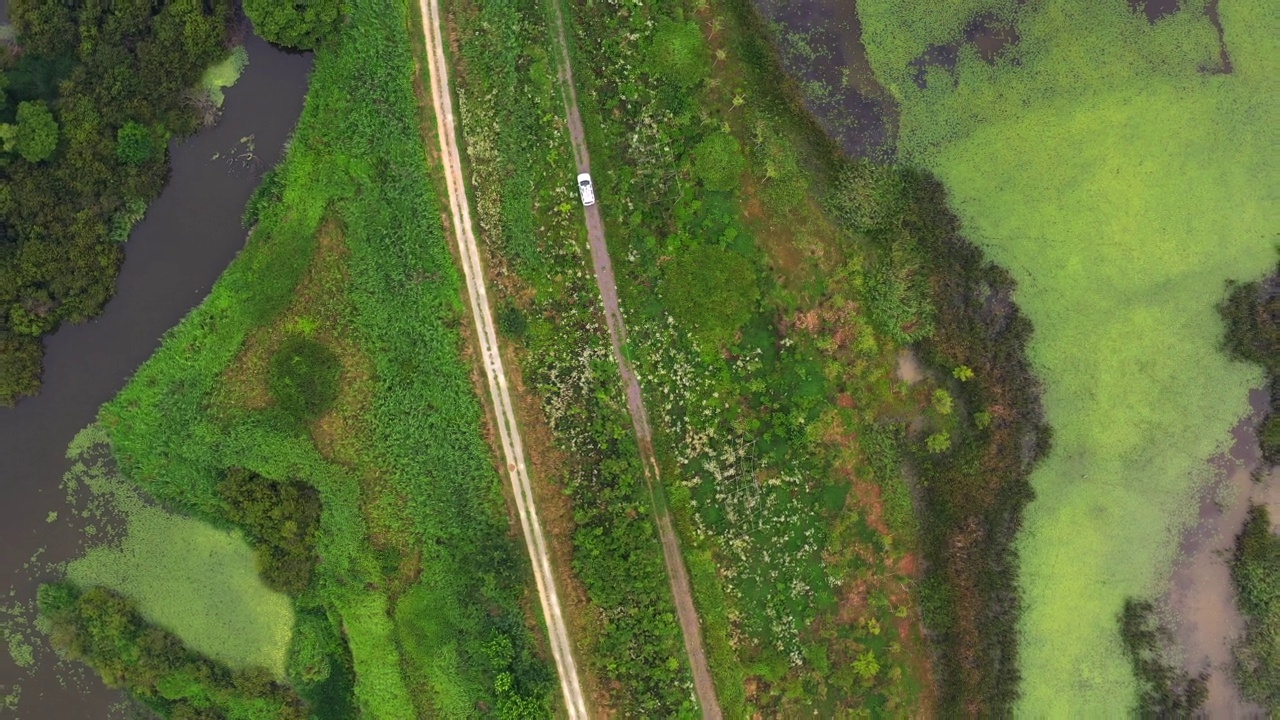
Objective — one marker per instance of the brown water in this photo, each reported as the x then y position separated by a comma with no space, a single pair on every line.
1201,597
190,234
819,43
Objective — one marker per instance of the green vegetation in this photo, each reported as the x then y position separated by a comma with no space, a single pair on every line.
526,212
88,76
1164,689
105,629
317,402
1122,172
300,24
134,144
1255,571
303,377
711,292
780,431
282,519
196,581
37,134
1252,315
718,161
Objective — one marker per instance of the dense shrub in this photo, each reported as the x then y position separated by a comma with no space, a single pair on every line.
718,161
301,24
304,377
679,54
1255,571
712,292
282,518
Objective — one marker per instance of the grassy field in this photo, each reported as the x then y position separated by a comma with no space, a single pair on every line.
328,358
1123,174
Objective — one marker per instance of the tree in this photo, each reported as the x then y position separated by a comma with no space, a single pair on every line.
37,135
938,442
711,292
679,54
134,144
718,161
300,24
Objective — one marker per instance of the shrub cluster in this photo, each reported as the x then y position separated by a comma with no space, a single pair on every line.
282,518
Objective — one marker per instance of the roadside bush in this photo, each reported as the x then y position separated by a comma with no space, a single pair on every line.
718,161
300,24
711,292
303,377
679,54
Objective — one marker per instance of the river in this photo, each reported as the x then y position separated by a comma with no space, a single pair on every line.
190,234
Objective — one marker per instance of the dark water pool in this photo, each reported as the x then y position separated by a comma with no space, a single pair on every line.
190,234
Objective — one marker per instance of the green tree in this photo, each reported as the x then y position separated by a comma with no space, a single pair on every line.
718,161
679,53
938,442
134,144
300,24
37,135
942,401
711,292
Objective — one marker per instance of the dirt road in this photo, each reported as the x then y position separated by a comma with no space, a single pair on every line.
603,268
512,448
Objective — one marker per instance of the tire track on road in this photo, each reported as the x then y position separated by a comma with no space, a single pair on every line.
505,418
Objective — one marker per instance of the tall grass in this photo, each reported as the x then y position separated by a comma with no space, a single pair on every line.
1122,176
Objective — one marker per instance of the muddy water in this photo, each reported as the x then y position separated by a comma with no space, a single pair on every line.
190,234
820,46
1201,598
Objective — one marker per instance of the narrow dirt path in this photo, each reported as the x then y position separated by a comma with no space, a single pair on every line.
602,266
512,448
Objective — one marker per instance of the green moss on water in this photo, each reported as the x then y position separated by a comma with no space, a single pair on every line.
1123,177
195,580
225,74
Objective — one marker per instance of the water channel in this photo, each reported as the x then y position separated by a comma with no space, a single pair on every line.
190,234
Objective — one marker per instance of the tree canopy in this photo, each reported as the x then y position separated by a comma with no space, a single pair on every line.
300,24
91,80
37,135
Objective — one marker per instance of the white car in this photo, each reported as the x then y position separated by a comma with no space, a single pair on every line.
586,190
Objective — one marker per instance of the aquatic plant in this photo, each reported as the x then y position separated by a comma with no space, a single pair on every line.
1122,171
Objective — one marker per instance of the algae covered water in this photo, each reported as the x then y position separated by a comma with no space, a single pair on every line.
1123,171
190,234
